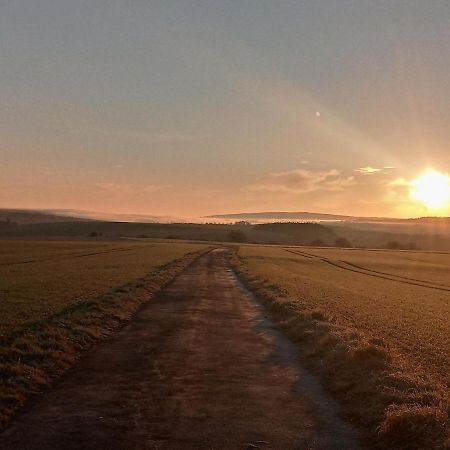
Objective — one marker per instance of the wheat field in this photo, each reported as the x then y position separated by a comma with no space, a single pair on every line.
39,278
373,325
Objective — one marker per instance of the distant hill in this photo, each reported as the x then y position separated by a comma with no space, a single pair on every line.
281,233
357,234
301,228
321,217
23,216
281,215
299,233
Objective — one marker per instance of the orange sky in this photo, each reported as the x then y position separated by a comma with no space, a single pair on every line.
180,109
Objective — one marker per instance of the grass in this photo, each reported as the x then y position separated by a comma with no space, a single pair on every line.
38,278
69,297
374,326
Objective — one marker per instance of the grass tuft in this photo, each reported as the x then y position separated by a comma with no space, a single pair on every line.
371,357
414,426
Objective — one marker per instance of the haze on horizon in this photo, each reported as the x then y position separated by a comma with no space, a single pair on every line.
188,108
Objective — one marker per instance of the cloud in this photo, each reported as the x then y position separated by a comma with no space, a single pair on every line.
130,188
303,181
368,170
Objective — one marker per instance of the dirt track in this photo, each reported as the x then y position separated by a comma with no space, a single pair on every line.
197,368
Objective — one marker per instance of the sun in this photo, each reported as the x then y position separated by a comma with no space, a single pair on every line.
432,189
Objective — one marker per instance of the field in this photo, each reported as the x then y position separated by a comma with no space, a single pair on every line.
59,297
39,278
372,325
375,325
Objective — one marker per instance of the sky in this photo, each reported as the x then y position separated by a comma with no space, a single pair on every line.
189,108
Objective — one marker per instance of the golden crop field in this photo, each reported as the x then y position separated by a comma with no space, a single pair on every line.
401,297
373,325
38,278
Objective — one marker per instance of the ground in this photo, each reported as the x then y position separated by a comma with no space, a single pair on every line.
199,366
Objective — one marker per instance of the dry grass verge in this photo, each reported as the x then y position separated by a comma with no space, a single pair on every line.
395,403
35,355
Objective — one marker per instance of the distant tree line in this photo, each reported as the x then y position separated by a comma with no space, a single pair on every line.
7,224
339,242
94,234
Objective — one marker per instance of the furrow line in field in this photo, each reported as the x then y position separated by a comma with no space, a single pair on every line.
64,256
370,273
306,255
395,275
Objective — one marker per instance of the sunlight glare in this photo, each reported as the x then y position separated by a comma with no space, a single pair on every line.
431,189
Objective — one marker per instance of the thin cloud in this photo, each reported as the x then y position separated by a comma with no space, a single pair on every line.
368,170
303,181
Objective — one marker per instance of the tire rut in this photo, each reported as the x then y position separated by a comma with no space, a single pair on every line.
65,256
345,265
